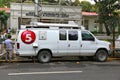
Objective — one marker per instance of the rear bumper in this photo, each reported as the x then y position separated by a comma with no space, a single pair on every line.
17,54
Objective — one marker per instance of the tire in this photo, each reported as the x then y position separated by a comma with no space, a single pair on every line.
101,56
44,56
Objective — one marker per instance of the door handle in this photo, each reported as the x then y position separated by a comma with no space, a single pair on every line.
81,45
68,45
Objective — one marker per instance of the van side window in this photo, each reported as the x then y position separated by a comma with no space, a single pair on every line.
73,35
86,36
62,35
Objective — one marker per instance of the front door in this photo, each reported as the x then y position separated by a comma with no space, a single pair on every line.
88,44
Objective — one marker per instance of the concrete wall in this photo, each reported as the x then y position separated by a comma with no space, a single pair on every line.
52,12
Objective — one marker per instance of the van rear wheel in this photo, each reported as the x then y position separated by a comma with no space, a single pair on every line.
44,56
101,56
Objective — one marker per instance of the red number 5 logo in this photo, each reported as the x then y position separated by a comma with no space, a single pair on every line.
28,36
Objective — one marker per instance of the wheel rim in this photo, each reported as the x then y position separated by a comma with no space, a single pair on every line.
44,58
102,56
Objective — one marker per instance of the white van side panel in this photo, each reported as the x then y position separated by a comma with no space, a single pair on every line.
26,49
46,39
50,42
49,39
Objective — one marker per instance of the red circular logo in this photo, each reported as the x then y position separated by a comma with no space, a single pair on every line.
28,36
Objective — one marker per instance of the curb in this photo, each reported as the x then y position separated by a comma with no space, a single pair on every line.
30,60
110,59
16,61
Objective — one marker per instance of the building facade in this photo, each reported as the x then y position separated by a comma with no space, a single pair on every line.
25,13
90,21
50,14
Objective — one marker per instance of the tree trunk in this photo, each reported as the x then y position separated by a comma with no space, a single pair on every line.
118,29
1,26
107,29
100,27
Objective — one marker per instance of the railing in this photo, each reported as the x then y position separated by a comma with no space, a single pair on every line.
1,49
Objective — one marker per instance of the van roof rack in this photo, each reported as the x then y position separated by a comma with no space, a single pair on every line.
70,25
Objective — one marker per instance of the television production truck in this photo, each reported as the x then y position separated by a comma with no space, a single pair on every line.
46,40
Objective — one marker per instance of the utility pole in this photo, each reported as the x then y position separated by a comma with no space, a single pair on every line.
36,10
21,15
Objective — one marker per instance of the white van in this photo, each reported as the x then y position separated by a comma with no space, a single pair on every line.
47,40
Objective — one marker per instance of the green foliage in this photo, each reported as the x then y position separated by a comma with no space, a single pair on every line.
3,19
6,3
1,3
107,13
76,3
86,6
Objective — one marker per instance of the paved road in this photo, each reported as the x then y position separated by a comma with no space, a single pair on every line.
61,70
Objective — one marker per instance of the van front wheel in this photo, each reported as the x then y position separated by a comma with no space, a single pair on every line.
44,56
101,56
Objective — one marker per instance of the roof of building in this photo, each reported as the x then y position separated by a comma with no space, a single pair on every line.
89,14
83,13
6,9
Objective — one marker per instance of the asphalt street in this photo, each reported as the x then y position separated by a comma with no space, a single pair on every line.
61,70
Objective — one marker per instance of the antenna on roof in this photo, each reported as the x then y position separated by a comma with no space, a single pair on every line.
72,22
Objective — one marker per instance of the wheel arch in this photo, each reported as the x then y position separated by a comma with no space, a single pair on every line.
45,49
102,49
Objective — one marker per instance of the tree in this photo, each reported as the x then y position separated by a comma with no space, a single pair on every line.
86,6
3,19
109,16
94,8
6,3
106,11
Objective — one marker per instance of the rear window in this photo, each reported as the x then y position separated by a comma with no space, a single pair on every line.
62,35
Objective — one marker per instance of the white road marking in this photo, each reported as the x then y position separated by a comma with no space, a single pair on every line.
55,72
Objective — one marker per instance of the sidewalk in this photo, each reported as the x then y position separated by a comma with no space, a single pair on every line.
17,59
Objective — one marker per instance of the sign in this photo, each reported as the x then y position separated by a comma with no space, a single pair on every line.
43,35
30,14
54,14
28,36
49,14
